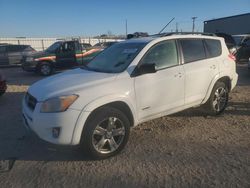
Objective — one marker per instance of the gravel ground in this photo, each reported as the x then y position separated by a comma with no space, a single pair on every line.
188,149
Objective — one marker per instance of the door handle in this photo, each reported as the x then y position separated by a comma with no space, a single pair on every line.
178,75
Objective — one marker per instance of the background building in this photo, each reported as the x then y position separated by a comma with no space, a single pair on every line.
233,25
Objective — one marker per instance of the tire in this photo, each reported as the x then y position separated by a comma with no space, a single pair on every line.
1,93
218,99
106,133
45,69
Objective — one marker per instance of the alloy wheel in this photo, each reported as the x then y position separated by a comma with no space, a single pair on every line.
220,99
45,69
108,135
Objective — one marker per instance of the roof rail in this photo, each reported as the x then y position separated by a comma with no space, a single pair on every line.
182,33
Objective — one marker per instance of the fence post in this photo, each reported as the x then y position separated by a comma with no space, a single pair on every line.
42,45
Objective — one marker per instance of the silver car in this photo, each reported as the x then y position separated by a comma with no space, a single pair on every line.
13,54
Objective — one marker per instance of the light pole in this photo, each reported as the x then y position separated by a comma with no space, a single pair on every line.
193,18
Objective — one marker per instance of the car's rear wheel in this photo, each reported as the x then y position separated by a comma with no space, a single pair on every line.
218,99
105,133
45,69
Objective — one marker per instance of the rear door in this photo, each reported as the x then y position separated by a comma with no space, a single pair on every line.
65,57
199,70
15,54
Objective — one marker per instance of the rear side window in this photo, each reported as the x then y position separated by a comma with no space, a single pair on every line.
193,50
213,48
15,48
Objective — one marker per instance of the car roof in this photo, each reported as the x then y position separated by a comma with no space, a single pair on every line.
14,45
171,36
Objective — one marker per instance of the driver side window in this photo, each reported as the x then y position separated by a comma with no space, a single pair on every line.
67,47
163,54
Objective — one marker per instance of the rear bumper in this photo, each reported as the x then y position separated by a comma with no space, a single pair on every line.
234,81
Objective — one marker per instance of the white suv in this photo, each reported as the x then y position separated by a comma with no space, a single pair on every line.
129,83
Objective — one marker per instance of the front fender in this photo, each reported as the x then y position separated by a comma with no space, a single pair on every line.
90,107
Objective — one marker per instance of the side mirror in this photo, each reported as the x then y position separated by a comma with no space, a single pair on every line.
144,69
147,68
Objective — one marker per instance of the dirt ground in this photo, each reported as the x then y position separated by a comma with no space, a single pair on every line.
188,149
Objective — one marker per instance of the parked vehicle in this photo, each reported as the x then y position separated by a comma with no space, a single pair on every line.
104,44
243,49
3,85
60,55
13,54
86,46
230,42
129,83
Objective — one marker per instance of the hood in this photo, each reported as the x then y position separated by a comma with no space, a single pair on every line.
69,82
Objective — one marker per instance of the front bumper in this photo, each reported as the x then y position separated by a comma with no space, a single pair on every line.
43,123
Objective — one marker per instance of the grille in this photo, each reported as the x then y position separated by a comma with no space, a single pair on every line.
30,101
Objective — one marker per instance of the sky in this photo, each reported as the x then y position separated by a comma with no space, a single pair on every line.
57,18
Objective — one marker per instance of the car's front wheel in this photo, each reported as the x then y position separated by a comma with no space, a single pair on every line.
218,99
105,133
45,69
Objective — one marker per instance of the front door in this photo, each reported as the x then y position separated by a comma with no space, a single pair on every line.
65,57
164,90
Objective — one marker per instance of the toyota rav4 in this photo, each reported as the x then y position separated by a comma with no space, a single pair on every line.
129,83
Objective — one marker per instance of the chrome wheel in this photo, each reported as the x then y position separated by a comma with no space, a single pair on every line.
220,99
108,135
45,69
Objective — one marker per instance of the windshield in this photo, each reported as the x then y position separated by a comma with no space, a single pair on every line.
53,47
116,58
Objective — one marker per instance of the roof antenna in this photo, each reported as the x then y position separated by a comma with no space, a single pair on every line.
166,26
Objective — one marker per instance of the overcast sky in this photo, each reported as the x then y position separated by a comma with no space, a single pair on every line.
55,18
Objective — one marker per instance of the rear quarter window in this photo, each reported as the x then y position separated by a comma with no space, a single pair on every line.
213,48
192,49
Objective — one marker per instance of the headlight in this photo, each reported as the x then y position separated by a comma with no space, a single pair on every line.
58,104
29,59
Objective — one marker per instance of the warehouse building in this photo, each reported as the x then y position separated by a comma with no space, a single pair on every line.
233,25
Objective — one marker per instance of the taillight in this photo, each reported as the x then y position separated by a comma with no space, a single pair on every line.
231,56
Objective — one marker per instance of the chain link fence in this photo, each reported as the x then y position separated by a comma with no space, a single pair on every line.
40,44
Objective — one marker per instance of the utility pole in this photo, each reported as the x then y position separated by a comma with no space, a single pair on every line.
176,27
193,18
